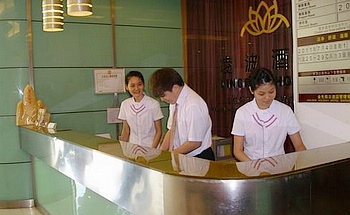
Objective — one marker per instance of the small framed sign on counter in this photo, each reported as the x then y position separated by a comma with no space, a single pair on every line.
109,80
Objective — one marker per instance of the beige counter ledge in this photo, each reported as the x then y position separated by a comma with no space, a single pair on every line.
178,184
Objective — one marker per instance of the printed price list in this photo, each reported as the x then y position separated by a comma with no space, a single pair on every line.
323,41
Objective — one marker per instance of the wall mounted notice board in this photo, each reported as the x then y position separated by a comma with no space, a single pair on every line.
109,80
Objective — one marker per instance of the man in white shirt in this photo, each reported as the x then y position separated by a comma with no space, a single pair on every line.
190,129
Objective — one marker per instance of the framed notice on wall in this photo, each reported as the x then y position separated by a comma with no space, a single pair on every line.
109,80
323,40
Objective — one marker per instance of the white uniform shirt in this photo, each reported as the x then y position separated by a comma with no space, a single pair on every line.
140,117
193,120
264,131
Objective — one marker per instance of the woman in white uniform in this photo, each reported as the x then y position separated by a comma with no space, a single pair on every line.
260,127
141,114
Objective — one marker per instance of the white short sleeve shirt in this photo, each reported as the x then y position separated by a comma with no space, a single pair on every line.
264,131
193,120
140,117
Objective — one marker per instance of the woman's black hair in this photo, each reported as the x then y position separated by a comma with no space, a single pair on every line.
134,74
261,76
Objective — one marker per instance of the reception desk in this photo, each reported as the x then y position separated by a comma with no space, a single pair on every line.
142,180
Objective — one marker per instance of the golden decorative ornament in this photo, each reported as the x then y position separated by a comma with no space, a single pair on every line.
264,23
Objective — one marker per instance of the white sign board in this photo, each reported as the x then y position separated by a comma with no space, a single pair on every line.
323,41
109,80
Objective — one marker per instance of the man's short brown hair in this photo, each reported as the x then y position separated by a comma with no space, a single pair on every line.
163,80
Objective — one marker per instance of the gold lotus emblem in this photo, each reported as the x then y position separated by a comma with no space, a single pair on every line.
268,23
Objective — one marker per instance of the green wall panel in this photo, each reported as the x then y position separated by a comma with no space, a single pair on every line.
165,111
15,182
13,44
148,47
72,90
12,82
160,13
79,45
12,9
88,122
9,142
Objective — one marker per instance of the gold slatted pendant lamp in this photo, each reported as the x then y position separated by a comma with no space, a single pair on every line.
79,7
52,15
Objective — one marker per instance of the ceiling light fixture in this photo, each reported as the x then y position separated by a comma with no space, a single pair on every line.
52,15
79,7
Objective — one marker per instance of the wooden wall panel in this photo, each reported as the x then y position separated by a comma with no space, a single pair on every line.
213,33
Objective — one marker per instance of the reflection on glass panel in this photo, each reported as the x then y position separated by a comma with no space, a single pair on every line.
187,165
13,39
12,9
268,166
139,153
